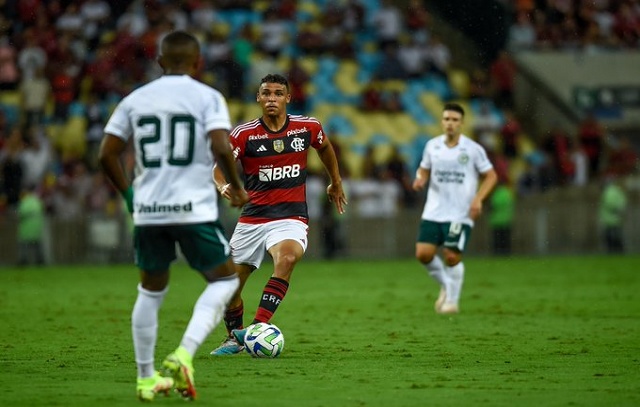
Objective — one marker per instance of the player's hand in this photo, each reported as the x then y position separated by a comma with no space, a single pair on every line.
237,196
475,209
419,183
336,195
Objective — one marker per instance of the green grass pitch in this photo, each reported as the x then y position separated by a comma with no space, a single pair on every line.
558,331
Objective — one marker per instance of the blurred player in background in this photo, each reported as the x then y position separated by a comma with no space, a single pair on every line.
459,177
273,153
179,128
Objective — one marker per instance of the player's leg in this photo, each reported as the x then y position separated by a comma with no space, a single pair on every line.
454,245
154,253
454,271
286,242
207,250
234,315
247,251
430,236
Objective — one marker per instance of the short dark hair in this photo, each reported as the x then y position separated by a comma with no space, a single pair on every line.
454,107
179,39
275,78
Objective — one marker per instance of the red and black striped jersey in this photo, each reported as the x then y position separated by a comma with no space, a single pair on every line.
275,167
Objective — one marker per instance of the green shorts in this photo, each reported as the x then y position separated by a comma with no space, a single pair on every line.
450,235
203,245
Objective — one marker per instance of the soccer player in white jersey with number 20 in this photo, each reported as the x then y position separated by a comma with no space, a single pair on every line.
459,177
179,128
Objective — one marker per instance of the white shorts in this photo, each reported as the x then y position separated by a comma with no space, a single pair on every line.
249,242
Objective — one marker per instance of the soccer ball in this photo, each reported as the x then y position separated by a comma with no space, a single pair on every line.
264,340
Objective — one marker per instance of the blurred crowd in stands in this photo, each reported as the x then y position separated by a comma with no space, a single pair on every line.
64,65
587,25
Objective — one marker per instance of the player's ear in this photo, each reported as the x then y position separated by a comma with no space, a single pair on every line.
258,97
197,64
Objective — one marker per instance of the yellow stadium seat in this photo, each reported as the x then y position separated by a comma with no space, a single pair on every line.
310,65
405,128
71,138
432,102
309,7
251,111
10,97
394,86
346,78
459,82
235,110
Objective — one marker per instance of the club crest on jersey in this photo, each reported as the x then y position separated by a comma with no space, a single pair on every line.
463,158
297,144
278,145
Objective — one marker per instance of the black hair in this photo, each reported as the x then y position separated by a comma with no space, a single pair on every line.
179,40
454,107
275,78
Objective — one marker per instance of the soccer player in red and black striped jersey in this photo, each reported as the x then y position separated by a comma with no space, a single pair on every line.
273,153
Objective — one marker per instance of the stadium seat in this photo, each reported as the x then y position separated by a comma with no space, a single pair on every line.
251,112
368,62
459,82
339,124
432,103
346,79
310,65
307,11
10,105
405,127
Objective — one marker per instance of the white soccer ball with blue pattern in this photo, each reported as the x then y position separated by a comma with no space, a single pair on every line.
264,340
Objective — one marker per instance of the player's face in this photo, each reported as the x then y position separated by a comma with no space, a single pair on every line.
273,97
451,122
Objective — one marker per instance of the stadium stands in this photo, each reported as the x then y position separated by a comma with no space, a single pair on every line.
344,58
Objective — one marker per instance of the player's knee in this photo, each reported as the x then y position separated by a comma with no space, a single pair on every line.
424,257
425,254
451,259
287,261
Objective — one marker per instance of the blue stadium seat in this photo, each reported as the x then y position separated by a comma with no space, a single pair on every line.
341,125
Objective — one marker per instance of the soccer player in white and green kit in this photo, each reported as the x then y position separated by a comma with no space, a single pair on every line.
459,177
179,128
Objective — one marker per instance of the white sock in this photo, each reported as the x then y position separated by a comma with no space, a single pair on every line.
455,278
208,312
436,270
144,327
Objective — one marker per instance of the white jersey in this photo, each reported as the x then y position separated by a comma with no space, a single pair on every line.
453,180
169,119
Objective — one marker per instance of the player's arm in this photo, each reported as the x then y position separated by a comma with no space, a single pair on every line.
335,191
111,149
225,169
488,181
422,177
219,179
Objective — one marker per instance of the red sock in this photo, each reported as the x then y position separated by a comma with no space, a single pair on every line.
233,318
272,296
